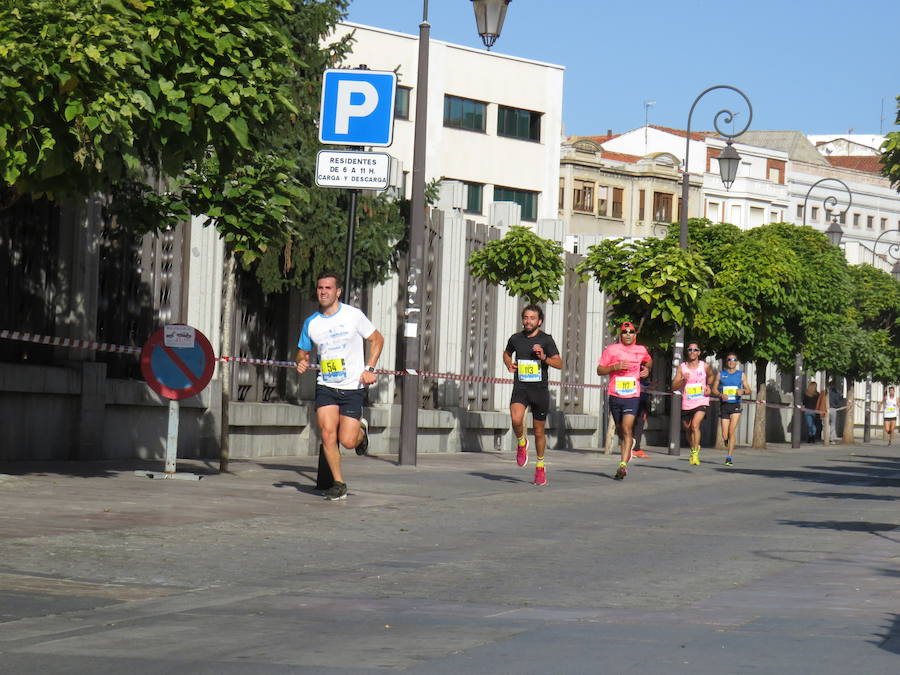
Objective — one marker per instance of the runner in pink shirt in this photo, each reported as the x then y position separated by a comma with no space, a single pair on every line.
694,379
626,362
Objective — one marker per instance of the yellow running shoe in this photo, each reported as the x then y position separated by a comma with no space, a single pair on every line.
695,456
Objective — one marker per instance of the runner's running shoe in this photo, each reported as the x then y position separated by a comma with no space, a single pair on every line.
621,472
363,447
695,456
522,453
640,453
729,461
336,492
540,476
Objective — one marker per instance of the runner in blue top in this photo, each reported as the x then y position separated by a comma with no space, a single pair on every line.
730,384
337,332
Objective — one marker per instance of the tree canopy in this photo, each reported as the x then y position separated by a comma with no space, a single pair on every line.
527,265
766,293
890,153
176,108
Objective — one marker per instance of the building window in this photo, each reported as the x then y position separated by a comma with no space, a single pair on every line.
855,220
843,217
884,223
401,103
712,210
562,193
662,207
524,198
602,200
516,123
814,216
583,196
774,174
474,198
464,113
870,222
618,195
773,217
640,205
800,211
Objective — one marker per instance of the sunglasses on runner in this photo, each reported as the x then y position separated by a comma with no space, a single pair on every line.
628,332
731,359
693,349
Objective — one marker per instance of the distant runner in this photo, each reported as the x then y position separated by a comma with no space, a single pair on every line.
625,362
889,408
729,385
693,378
337,332
535,351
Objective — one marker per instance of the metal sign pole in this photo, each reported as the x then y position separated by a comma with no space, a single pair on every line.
172,438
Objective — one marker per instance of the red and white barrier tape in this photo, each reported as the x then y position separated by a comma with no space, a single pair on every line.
123,349
67,342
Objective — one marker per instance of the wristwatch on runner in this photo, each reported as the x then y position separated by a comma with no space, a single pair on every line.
371,369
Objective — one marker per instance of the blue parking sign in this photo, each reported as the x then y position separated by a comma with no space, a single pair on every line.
357,107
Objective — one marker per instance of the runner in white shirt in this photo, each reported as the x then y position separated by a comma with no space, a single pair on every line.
889,408
337,332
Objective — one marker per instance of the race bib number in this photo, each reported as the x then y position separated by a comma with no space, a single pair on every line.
694,391
626,386
730,393
529,371
333,370
890,411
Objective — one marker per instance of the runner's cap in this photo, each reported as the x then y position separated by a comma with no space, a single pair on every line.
627,324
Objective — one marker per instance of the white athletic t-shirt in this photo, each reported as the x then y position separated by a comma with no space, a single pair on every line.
338,340
890,408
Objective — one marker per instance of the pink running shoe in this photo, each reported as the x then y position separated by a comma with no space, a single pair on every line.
540,476
522,453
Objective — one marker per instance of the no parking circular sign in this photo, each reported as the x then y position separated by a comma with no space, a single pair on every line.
177,361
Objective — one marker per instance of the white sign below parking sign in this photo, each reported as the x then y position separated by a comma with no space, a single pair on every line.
357,107
358,170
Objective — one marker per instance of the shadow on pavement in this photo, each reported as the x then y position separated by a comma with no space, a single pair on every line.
103,469
858,474
846,495
890,639
497,477
846,526
601,474
306,488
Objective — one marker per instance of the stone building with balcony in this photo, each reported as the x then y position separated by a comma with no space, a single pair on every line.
615,194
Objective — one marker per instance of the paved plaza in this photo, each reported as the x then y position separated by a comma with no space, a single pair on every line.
788,562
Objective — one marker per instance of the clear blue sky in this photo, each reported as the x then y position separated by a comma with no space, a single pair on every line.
818,67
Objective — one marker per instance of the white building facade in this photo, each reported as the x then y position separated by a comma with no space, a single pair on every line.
759,194
494,121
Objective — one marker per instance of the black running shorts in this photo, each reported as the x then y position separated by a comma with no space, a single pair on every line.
349,401
619,406
729,409
536,398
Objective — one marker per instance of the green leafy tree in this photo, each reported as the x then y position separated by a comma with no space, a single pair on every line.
651,282
890,153
93,93
525,264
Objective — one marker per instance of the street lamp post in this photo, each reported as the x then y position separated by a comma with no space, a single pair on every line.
729,161
489,15
893,250
834,232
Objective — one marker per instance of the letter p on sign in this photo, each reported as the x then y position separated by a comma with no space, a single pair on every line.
357,107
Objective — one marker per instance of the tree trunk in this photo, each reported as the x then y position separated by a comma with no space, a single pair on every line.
849,417
225,373
759,421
